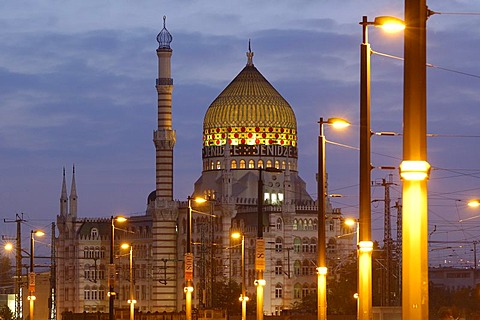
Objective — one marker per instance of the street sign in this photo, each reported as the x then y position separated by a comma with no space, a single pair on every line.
260,255
188,266
31,282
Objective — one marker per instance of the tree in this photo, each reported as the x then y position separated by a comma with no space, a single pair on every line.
6,276
6,313
226,296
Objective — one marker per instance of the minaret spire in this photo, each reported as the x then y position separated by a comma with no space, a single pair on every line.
164,136
249,54
63,196
73,196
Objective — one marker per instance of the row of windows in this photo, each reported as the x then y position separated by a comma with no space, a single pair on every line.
299,290
250,164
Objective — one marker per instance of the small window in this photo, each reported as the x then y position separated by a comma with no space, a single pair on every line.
234,164
251,164
94,233
260,163
242,164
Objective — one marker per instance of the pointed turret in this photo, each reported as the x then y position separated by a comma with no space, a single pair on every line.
73,196
64,197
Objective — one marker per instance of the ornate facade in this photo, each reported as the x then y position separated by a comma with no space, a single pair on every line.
249,131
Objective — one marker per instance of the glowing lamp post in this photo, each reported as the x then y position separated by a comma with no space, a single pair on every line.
243,297
364,236
322,208
111,267
131,299
31,276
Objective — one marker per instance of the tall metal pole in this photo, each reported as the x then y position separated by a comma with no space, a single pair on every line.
111,276
260,248
31,286
18,269
414,192
244,295
132,297
322,260
189,265
365,241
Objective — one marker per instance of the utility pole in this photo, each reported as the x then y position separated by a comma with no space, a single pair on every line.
53,275
398,251
18,263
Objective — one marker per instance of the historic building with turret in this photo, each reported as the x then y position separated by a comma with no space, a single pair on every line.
252,185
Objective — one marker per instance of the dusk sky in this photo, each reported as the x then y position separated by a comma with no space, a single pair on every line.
77,87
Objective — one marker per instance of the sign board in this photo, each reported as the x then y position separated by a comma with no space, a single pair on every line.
188,266
31,282
260,255
111,275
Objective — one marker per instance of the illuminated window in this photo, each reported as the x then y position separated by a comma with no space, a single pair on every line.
277,164
295,225
234,164
242,164
269,163
251,164
297,267
260,163
297,244
297,291
218,165
284,165
212,165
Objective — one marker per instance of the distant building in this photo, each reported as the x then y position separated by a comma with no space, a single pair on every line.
454,278
247,129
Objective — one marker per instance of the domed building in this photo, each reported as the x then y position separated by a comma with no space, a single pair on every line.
251,184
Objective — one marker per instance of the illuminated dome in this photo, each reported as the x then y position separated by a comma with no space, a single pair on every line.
250,111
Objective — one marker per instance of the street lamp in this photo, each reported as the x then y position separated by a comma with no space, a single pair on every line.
243,297
365,268
131,300
474,203
188,289
414,192
31,282
322,210
111,267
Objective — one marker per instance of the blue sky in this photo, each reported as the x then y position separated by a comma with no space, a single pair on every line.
77,87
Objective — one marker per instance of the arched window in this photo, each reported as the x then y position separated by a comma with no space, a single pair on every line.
278,290
284,165
269,163
300,224
251,164
295,224
234,164
278,244
242,164
315,224
305,268
279,224
297,291
313,245
305,244
212,165
277,164
297,267
260,163
278,267
219,166
94,233
297,244
310,224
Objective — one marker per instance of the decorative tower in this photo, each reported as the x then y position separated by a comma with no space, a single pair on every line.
64,197
164,136
161,206
73,197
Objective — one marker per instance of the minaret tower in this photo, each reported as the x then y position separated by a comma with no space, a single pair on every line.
164,136
165,294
